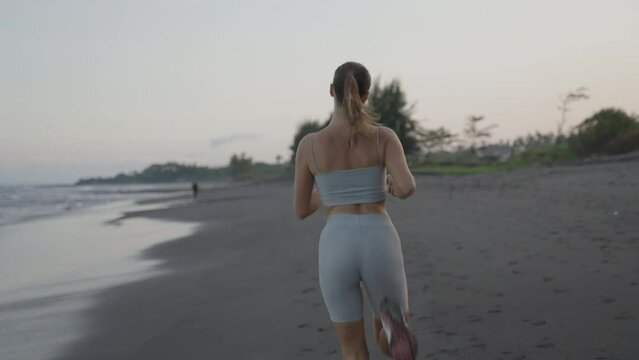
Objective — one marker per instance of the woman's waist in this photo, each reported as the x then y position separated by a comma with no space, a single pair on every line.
357,209
368,215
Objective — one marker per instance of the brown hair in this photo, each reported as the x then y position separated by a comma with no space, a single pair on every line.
351,82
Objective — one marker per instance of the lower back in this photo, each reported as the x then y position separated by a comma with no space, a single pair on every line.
359,209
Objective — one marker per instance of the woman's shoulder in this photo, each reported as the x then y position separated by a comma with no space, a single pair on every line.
385,132
307,140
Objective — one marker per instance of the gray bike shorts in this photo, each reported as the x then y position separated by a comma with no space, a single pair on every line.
366,248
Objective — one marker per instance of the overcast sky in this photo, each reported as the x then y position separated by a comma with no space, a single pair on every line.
91,88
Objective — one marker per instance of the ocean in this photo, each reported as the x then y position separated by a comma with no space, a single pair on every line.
59,250
20,203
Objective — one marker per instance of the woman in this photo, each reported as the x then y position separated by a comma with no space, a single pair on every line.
347,161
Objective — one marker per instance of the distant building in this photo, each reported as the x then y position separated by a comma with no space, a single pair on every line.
499,153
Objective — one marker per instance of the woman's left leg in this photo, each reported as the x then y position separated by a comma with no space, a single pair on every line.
352,339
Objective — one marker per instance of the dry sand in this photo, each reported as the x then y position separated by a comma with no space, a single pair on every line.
533,264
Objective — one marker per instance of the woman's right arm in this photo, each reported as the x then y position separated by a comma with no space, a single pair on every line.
402,182
306,197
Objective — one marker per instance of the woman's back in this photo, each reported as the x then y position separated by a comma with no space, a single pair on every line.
360,184
332,150
350,176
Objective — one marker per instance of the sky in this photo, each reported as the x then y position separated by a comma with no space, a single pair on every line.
94,88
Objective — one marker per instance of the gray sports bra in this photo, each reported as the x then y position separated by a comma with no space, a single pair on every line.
352,186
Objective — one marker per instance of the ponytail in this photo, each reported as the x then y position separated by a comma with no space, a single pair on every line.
355,81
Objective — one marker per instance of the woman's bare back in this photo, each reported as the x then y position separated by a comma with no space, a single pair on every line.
333,151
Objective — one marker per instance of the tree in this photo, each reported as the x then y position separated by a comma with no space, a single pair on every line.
389,103
278,159
436,139
565,100
474,133
609,131
240,166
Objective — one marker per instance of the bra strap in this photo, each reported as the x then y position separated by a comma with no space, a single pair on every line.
379,154
313,153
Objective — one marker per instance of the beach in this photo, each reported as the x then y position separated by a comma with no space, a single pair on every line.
540,263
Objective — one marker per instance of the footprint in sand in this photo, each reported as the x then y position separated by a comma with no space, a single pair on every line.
538,322
546,345
473,318
559,290
607,300
425,317
622,316
301,326
547,279
307,290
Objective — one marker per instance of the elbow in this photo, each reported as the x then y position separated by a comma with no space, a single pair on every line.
407,190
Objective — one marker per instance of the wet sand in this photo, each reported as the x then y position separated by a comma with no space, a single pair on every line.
533,264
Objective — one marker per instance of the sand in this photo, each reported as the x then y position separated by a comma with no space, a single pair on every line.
533,264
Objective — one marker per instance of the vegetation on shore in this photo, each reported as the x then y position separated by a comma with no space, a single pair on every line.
161,173
610,131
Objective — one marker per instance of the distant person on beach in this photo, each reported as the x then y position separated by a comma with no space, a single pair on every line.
347,161
195,189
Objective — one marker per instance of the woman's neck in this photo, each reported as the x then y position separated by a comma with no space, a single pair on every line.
339,120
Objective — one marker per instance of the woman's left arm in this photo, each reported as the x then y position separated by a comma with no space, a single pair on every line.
307,199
